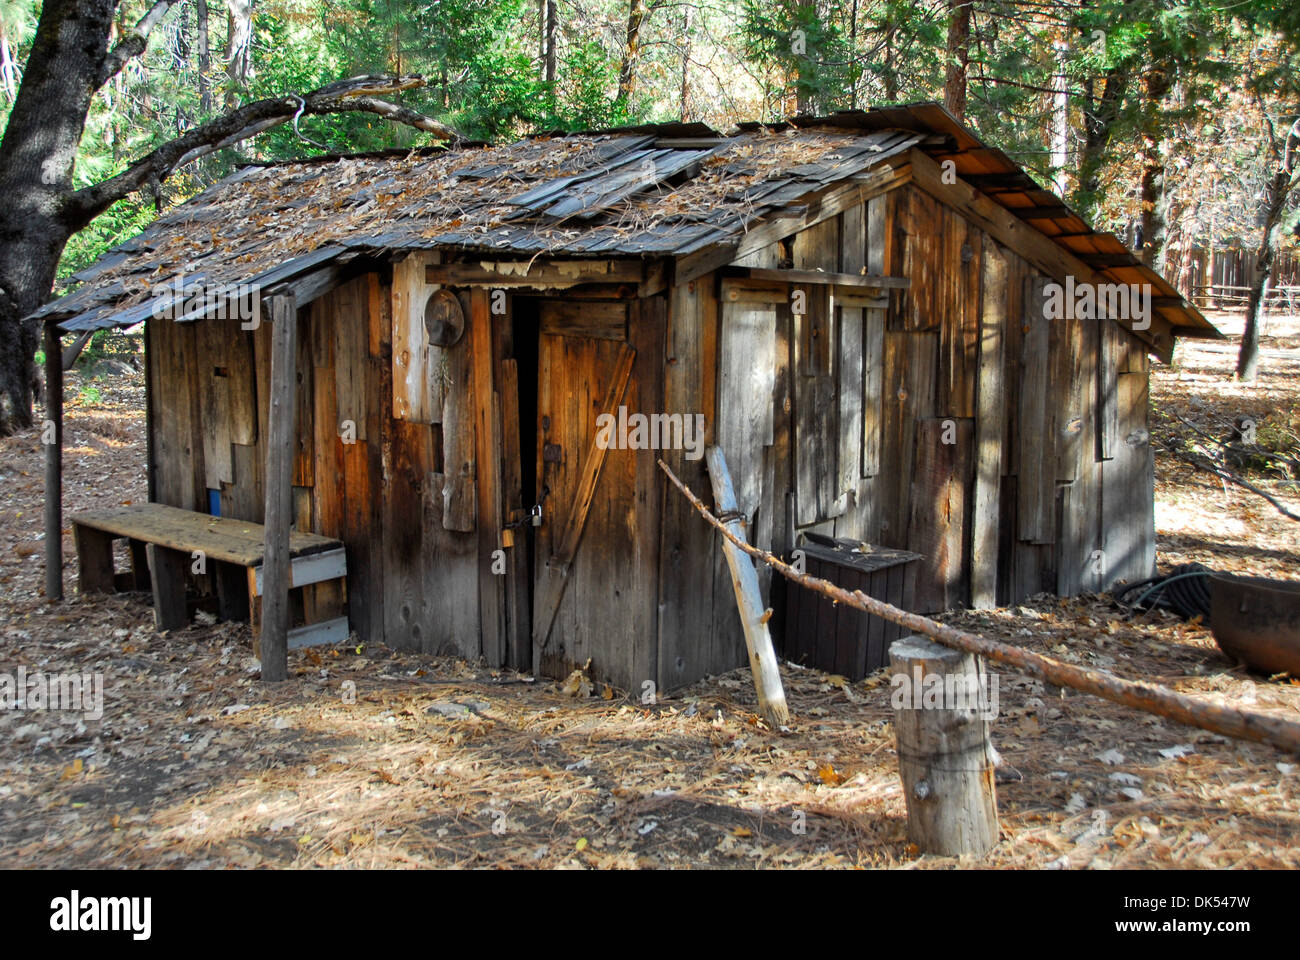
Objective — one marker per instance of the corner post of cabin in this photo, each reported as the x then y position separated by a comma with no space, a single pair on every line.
52,437
279,489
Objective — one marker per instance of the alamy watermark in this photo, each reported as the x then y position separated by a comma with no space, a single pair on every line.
655,431
72,692
920,690
181,297
75,913
1084,301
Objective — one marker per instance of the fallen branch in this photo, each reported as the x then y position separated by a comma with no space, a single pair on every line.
1229,721
1241,448
1223,473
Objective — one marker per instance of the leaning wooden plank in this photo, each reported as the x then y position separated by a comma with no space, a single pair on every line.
279,490
555,575
753,615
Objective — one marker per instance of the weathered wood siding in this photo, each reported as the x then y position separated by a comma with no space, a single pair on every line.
960,423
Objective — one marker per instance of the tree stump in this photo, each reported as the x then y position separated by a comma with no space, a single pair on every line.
945,759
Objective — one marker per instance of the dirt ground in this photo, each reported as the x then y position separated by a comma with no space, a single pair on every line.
438,762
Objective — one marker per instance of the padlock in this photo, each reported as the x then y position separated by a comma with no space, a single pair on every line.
537,515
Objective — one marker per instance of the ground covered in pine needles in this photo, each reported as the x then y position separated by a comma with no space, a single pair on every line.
371,757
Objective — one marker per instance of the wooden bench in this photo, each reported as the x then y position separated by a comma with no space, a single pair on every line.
165,542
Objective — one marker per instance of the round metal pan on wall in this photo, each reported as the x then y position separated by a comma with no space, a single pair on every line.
444,319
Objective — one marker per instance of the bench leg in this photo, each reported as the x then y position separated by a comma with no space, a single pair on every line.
167,572
94,559
139,565
254,612
232,591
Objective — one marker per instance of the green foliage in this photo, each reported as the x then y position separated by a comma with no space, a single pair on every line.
804,46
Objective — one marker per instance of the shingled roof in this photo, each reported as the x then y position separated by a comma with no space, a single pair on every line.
650,191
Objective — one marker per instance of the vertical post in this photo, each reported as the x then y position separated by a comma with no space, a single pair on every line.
53,464
279,489
942,712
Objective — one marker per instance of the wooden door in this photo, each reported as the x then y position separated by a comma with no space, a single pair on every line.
587,493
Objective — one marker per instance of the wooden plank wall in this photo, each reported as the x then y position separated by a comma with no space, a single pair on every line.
986,439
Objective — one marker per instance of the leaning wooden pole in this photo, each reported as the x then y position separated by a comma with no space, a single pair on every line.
52,436
279,489
749,599
1228,721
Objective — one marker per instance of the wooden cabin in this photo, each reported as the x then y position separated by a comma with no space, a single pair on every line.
856,309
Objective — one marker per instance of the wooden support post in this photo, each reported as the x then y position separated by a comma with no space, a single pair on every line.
167,571
280,451
53,465
753,616
945,759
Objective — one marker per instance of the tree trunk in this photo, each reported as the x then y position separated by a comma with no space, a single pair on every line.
1098,123
36,164
239,54
1279,189
803,63
853,56
8,69
891,78
1151,191
636,15
552,29
1060,118
954,84
686,63
204,44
